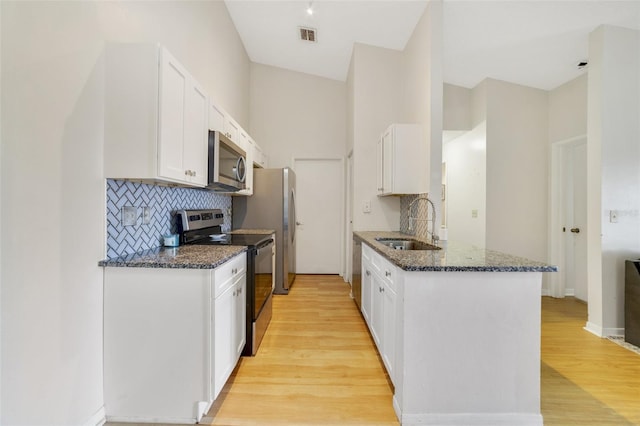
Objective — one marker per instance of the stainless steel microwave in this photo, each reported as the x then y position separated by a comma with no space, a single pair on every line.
227,164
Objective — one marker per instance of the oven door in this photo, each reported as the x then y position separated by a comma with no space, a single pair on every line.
263,276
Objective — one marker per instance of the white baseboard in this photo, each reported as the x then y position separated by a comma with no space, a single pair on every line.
604,332
546,292
473,419
97,419
164,420
593,328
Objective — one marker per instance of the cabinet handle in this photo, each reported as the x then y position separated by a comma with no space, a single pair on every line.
380,289
387,273
234,293
368,273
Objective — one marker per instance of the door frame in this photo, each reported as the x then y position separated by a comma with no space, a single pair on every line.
557,284
342,272
348,239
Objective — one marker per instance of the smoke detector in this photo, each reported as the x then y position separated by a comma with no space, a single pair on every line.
308,34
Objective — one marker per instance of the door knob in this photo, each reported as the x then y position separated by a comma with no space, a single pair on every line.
575,230
298,223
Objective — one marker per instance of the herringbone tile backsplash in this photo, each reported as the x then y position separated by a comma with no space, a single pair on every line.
420,213
163,202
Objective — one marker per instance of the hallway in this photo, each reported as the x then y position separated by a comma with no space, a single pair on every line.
318,365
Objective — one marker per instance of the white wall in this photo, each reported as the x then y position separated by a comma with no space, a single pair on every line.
568,110
53,193
517,169
377,102
613,182
297,115
456,108
465,157
422,86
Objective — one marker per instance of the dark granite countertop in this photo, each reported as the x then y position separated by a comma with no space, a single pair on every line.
185,257
253,231
452,256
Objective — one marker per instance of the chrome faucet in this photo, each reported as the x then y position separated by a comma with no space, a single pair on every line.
434,236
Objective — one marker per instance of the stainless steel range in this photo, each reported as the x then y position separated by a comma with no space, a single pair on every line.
203,227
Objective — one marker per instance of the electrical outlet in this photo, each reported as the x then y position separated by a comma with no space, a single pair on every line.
366,206
129,216
613,216
474,214
146,215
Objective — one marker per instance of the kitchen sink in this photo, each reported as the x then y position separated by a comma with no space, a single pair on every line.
406,244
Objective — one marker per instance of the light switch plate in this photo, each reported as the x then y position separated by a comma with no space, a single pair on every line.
474,214
366,206
129,216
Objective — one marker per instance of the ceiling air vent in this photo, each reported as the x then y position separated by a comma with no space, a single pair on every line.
308,34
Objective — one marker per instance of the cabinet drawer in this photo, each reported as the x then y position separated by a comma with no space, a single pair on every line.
224,275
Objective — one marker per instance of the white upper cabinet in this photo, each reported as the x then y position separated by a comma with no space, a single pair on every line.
402,161
156,117
217,117
221,121
259,157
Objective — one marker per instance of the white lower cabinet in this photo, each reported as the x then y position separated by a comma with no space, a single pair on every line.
165,350
229,323
379,305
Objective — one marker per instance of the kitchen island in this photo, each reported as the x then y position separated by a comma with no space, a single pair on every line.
458,330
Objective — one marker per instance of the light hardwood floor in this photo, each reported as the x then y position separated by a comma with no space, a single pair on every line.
318,365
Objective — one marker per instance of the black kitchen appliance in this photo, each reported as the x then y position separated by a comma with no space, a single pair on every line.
203,227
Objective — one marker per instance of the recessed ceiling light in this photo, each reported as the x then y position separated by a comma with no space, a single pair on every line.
310,9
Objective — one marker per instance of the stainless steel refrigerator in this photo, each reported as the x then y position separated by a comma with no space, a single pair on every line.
272,206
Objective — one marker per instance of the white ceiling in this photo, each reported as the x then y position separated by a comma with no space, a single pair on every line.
537,43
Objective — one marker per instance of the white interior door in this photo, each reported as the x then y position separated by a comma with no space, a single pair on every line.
319,191
575,189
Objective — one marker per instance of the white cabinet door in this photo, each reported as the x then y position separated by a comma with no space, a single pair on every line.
174,82
389,330
379,166
259,159
196,135
240,317
224,338
402,162
388,151
377,311
366,293
216,118
229,318
232,130
183,124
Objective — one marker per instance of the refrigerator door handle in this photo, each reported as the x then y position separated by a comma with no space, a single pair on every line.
293,214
